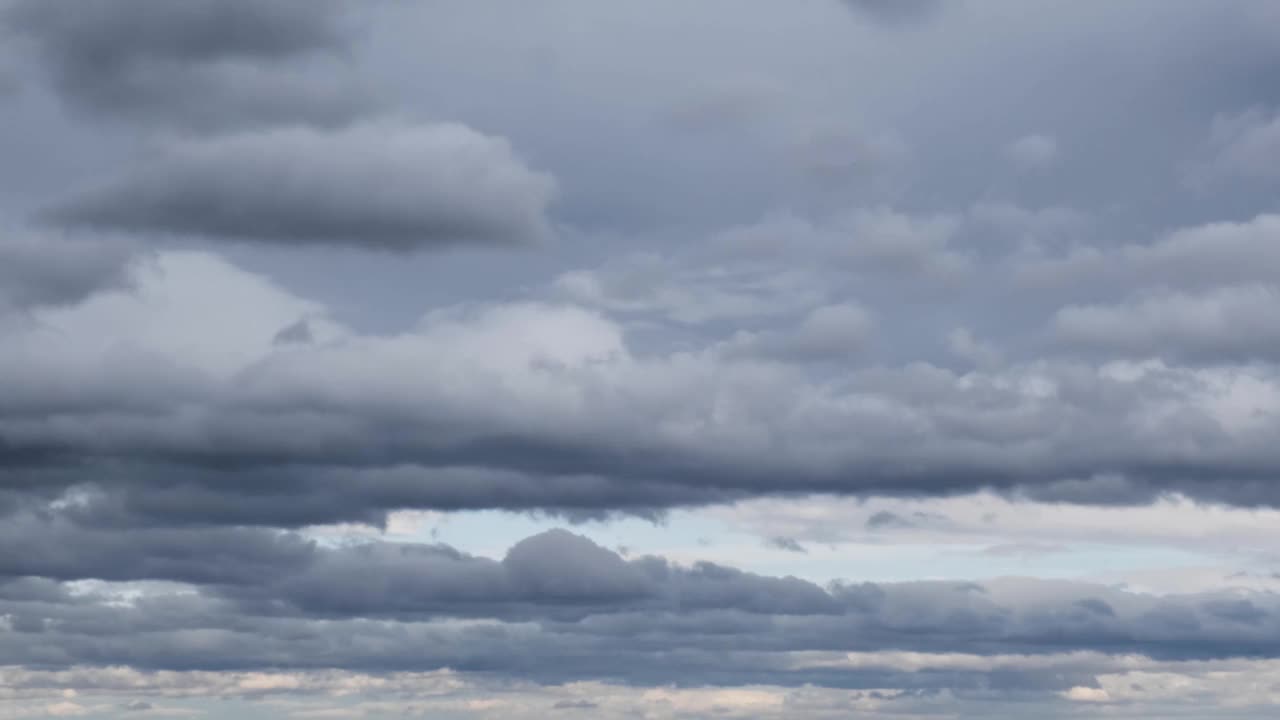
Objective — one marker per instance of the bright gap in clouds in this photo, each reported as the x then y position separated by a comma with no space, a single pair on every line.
1174,546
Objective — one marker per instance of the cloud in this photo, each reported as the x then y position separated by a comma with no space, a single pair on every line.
895,12
826,333
555,574
686,293
64,550
1023,550
566,603
1235,324
396,187
1137,687
844,159
575,705
39,269
1032,152
299,332
785,543
204,64
9,83
886,520
66,708
1086,694
537,405
1207,255
1196,259
962,344
861,241
559,564
1174,546
788,268
726,105
1244,145
801,331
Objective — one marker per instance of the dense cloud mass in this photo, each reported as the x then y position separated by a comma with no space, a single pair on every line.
558,393
207,63
944,390
387,187
559,595
40,270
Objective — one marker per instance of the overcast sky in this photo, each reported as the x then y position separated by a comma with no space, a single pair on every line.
664,359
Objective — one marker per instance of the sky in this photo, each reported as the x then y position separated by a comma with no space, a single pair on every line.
889,359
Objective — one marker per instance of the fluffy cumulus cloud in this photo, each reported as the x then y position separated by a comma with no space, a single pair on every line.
438,360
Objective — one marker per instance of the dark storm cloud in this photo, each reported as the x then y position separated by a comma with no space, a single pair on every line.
578,611
202,63
378,186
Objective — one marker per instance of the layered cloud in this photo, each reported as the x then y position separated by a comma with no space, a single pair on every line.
1132,687
562,596
1237,323
894,13
39,269
940,391
555,399
204,64
379,186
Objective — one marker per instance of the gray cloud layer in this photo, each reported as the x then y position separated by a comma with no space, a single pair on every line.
379,186
41,270
578,419
560,608
895,12
942,274
206,63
